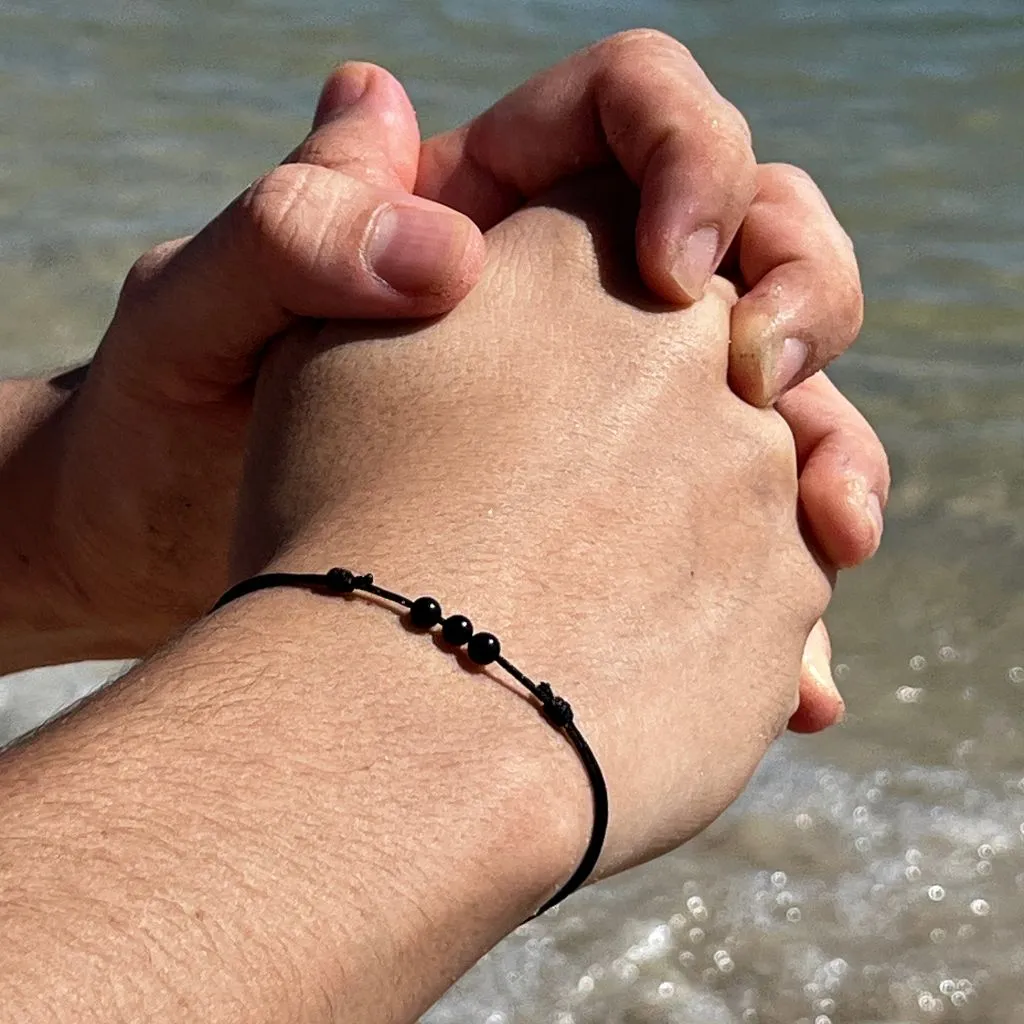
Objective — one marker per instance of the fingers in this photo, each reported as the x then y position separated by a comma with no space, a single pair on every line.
844,471
332,233
638,98
821,704
804,305
388,157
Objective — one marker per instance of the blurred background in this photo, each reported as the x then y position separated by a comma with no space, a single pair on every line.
872,874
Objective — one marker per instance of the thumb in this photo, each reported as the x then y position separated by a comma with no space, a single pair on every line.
332,232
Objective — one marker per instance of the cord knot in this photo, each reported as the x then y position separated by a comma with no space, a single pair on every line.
343,581
557,710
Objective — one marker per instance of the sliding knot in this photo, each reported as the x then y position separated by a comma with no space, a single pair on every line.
342,581
557,710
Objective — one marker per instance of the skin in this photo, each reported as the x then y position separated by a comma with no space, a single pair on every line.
107,557
166,849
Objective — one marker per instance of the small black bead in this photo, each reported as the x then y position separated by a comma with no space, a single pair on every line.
457,630
483,648
424,613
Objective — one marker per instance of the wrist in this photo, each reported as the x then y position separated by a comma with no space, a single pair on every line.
38,621
482,761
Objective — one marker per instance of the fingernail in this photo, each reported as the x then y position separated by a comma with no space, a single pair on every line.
792,359
874,507
413,248
818,660
695,262
343,90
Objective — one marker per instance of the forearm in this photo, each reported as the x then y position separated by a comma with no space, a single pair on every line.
298,812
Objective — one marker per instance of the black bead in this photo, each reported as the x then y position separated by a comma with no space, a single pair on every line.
424,613
483,648
457,630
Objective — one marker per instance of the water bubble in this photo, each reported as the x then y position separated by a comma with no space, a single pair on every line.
936,893
700,913
804,822
966,931
825,1006
785,899
969,693
918,663
883,777
696,936
720,954
793,915
666,990
687,959
861,814
726,966
947,986
965,985
779,879
986,851
585,985
693,903
873,795
909,694
862,844
822,1019
841,671
958,998
1016,674
912,872
937,935
980,908
984,867
948,654
497,1018
626,971
912,856
678,922
812,990
838,966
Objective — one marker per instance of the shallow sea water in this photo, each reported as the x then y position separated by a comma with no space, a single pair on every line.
872,874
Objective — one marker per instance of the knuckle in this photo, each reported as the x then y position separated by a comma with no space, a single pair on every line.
143,274
269,206
634,42
791,175
848,318
738,126
764,467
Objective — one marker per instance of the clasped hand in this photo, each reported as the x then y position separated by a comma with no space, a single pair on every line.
128,534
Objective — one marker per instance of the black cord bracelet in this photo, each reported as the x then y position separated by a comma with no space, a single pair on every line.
481,648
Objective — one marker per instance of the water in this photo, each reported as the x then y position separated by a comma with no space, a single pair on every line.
875,873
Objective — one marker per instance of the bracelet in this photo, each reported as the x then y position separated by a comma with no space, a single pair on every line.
482,649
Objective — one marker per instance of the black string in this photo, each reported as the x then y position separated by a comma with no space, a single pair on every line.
483,649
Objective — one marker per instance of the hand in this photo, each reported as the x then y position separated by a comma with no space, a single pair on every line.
127,486
640,100
565,463
139,541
